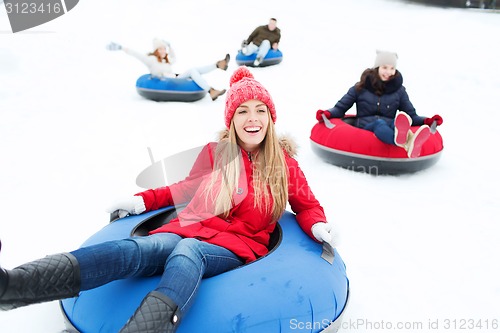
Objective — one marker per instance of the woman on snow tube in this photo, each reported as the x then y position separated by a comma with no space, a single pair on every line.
384,108
237,191
159,63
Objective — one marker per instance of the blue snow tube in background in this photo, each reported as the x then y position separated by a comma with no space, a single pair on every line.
169,89
291,289
273,57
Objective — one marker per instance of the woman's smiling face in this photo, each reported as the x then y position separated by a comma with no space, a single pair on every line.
251,121
162,51
386,72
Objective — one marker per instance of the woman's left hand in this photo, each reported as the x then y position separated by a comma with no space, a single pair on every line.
323,232
113,46
436,118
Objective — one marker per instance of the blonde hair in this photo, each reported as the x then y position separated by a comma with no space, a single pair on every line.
269,170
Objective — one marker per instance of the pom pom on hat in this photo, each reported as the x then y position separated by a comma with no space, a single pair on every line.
157,43
243,87
386,58
239,74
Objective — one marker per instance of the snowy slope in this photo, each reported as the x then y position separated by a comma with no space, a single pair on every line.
74,134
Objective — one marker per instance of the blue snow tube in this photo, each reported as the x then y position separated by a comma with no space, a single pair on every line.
169,89
273,57
291,289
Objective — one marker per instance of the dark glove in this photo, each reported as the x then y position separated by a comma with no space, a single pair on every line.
437,118
319,114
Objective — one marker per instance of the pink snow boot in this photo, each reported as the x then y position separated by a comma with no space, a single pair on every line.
402,124
417,140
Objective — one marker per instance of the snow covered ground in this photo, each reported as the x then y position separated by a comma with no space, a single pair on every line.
421,250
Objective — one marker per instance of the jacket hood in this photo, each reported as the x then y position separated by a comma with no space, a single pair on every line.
286,142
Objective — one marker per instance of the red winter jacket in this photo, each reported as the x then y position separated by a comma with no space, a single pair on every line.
246,231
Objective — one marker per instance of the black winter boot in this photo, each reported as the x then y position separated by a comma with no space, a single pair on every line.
156,314
51,278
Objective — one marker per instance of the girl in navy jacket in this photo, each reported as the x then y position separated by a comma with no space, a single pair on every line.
383,106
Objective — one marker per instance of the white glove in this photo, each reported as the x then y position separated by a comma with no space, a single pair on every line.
113,46
128,205
323,232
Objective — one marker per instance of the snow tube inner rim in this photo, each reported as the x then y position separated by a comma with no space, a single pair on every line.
164,217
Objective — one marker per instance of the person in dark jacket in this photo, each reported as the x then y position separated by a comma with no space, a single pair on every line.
236,191
261,40
384,107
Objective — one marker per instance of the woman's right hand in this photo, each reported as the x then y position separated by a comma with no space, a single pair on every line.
320,113
133,205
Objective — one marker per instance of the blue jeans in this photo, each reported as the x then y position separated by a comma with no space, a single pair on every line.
182,262
261,50
383,130
196,75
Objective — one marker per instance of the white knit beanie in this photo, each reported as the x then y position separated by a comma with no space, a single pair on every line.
157,43
386,58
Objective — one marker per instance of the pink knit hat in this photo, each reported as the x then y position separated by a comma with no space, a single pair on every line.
243,87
